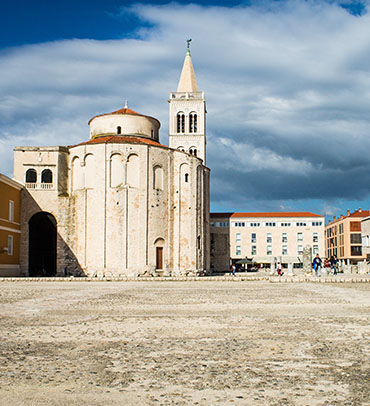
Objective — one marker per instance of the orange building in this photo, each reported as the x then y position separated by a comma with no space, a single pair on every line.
343,237
10,196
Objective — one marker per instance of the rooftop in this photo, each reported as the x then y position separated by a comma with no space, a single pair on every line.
121,139
267,214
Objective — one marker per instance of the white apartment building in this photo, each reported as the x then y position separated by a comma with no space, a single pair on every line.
266,237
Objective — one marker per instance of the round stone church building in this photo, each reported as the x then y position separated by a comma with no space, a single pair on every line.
121,203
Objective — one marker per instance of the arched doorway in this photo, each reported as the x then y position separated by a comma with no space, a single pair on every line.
42,245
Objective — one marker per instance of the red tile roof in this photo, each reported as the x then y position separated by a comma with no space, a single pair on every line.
125,110
120,139
278,214
362,213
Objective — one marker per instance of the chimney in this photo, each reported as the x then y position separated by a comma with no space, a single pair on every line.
360,210
348,212
334,218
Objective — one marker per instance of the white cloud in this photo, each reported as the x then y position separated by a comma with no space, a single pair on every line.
287,87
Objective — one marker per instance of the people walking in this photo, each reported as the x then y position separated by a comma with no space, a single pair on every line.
334,264
317,262
233,270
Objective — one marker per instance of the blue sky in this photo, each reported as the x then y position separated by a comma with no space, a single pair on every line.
287,86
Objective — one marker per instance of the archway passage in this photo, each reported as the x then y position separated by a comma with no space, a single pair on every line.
42,244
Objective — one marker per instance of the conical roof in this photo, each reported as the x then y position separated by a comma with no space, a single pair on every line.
187,82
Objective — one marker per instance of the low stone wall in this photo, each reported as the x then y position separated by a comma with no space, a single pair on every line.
228,278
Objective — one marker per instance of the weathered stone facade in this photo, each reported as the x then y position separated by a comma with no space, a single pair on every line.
124,204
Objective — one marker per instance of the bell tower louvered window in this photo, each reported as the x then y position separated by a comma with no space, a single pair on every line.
193,123
180,122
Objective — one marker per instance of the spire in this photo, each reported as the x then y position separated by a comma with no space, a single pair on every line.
187,82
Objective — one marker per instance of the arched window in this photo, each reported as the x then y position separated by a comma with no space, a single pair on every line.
119,129
133,171
46,176
116,170
193,122
31,176
158,178
190,151
186,177
90,171
180,122
195,152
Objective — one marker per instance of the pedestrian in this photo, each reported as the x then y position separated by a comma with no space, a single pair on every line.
233,269
317,262
327,266
279,270
334,264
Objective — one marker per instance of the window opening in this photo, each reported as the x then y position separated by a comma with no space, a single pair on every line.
119,130
180,122
186,177
46,176
31,176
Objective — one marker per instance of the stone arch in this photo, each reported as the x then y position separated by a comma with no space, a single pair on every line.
42,244
159,245
193,122
31,176
193,151
180,122
46,176
158,180
76,173
90,170
116,170
133,171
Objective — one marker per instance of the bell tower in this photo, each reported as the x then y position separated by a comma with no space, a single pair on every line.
187,129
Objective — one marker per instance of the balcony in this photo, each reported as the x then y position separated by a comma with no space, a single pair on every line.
187,95
39,186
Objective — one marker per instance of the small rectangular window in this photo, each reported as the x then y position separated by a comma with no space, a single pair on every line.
284,237
299,236
269,237
269,250
284,250
254,250
11,210
253,238
315,237
10,245
238,237
300,249
238,250
315,249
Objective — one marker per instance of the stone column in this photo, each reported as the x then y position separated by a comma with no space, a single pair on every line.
290,269
307,258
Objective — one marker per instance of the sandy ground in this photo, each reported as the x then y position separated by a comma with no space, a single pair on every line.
184,343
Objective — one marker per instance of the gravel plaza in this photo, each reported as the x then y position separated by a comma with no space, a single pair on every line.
211,342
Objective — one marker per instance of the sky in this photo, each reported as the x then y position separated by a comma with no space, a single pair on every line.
287,84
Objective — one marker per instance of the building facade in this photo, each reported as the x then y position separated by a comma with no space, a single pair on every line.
264,237
121,203
10,192
343,237
365,233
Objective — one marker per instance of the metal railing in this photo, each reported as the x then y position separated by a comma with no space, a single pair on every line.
39,186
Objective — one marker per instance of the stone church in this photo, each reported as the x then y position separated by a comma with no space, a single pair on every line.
121,203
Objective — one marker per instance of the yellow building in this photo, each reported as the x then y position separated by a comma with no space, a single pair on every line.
10,192
343,237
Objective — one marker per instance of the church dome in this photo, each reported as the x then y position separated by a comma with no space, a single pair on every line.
124,122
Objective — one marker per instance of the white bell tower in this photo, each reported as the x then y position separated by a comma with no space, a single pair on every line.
188,113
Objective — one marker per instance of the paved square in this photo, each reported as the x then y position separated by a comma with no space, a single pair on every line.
184,343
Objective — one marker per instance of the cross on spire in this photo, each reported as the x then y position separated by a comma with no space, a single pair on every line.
188,45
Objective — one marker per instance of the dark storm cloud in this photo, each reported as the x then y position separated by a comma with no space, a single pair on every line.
287,87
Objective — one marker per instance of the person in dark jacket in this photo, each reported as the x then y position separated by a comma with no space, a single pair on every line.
317,262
